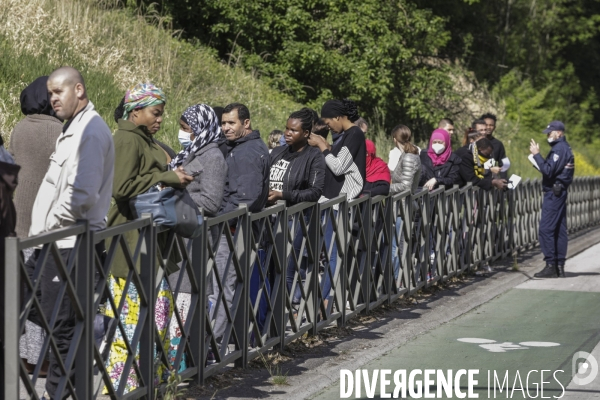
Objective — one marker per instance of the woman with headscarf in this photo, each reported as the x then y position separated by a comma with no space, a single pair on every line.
439,165
200,135
118,114
378,174
139,164
32,142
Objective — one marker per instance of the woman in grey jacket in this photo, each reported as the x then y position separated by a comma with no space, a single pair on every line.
202,159
405,176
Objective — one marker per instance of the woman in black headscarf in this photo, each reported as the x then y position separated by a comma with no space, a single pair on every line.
32,142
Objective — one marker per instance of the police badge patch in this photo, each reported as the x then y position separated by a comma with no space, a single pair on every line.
555,157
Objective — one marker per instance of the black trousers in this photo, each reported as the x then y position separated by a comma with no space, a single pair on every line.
48,291
47,294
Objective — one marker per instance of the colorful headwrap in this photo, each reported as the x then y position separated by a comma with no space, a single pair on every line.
142,95
205,126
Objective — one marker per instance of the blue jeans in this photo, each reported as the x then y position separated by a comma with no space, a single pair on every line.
326,282
395,247
291,266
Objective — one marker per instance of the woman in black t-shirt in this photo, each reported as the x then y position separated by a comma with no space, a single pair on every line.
297,175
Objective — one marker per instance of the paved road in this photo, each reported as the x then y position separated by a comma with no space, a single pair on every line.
537,325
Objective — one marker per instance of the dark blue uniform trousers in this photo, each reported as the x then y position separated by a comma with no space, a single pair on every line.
553,228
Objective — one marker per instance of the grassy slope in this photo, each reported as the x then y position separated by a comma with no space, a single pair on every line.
115,50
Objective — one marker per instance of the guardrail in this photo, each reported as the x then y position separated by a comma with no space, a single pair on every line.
253,282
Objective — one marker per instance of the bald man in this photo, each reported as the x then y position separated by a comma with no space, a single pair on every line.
77,185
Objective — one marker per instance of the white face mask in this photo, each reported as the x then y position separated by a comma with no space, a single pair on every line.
184,138
551,139
438,148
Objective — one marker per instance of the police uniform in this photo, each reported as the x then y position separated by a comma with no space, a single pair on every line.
557,171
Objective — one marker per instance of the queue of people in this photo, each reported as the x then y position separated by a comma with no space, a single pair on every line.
93,174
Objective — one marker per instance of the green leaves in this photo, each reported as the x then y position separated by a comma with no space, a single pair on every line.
381,53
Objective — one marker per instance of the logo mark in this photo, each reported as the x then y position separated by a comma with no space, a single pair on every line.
584,367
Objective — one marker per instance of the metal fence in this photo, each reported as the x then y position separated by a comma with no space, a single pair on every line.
252,282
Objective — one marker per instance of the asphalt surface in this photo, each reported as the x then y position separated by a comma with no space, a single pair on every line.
312,375
537,326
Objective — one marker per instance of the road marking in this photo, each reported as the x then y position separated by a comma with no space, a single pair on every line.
494,347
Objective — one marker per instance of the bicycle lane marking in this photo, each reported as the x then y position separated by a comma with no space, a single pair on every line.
527,328
516,318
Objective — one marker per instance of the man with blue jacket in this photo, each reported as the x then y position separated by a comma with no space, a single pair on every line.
557,172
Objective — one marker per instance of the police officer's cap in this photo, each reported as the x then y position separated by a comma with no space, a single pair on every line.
554,126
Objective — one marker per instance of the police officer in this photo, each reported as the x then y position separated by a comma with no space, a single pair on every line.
557,171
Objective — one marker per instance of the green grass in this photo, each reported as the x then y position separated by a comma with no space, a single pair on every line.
114,50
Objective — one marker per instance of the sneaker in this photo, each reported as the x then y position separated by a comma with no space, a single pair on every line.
210,358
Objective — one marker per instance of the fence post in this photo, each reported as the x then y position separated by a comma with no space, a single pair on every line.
441,235
312,297
11,333
408,268
367,220
84,281
344,233
425,239
240,322
148,277
281,246
511,221
197,331
469,216
390,230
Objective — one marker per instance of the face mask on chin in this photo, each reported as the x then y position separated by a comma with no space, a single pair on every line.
551,139
438,148
184,138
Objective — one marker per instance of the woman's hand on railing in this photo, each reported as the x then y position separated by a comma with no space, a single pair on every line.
430,184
